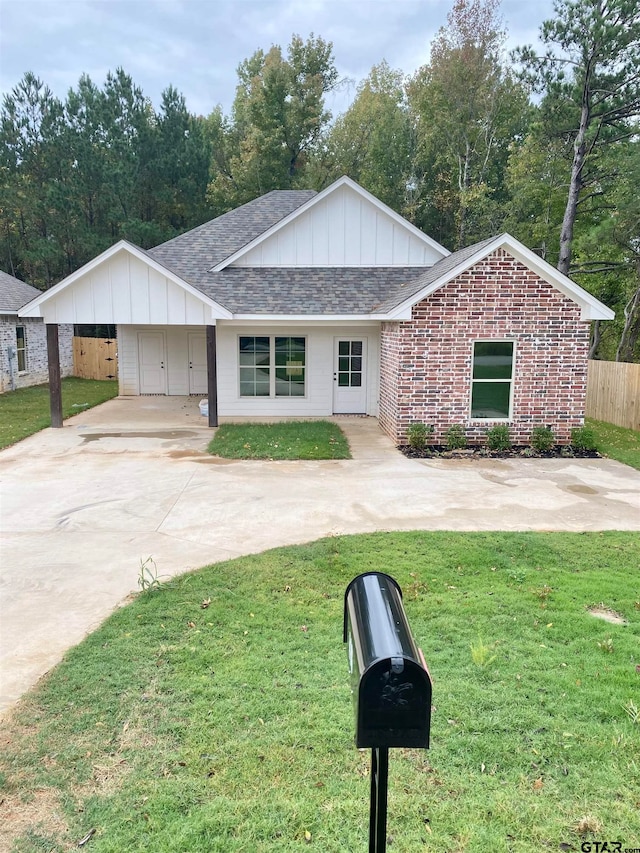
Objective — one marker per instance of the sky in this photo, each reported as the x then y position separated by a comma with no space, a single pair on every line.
197,45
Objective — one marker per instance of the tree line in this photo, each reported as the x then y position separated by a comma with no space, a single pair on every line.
544,145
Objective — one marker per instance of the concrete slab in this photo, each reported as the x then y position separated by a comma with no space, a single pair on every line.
81,507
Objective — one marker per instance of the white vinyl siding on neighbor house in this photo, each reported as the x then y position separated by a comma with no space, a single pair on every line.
343,229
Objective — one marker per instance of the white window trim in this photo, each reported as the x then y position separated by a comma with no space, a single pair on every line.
511,380
272,366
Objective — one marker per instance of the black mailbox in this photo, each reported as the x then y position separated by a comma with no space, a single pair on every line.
390,681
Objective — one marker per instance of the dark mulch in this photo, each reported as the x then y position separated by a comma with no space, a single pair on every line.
560,451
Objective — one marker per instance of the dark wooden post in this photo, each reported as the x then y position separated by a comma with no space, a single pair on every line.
55,385
212,377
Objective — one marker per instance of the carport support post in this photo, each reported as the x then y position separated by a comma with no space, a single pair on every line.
212,378
55,385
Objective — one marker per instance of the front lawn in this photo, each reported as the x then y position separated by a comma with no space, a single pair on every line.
214,716
26,410
283,440
617,442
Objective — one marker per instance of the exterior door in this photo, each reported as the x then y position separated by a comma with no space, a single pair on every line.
151,363
350,376
197,363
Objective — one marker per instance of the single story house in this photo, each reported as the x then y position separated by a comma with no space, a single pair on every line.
23,340
305,304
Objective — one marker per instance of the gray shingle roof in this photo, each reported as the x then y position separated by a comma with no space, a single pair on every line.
287,290
192,254
305,290
15,293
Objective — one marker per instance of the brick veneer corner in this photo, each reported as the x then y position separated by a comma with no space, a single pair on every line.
425,363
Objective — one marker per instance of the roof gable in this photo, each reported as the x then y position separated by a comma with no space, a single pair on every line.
343,226
399,305
125,285
193,253
14,293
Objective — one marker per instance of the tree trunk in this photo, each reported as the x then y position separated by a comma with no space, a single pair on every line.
575,185
595,339
631,331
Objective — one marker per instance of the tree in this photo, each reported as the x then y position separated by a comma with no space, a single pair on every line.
590,77
181,164
535,180
76,176
613,240
32,163
371,142
277,118
468,110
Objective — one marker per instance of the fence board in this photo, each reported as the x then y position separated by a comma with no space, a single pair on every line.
613,393
95,358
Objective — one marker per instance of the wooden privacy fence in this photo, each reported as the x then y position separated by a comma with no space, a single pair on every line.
95,358
613,393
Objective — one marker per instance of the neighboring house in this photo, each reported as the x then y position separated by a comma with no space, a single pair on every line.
23,340
303,304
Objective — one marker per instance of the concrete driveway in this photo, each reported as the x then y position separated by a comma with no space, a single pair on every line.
82,506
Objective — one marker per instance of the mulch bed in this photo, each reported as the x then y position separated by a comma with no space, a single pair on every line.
560,451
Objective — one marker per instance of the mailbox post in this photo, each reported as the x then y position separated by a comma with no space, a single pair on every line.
390,683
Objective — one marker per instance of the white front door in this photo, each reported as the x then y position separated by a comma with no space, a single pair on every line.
151,363
197,363
350,376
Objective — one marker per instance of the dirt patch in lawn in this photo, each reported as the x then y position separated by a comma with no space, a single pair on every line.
41,813
602,612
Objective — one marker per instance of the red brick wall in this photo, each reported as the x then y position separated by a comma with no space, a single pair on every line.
425,363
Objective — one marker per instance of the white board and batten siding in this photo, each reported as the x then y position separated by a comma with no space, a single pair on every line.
126,290
320,367
181,351
343,229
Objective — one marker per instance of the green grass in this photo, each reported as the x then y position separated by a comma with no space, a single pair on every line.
284,440
214,716
26,410
617,442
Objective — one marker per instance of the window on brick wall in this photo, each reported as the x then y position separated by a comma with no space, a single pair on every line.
21,348
492,384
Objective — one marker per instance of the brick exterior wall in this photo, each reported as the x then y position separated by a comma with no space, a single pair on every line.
37,372
426,363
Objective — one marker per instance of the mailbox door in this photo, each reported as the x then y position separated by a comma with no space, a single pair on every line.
394,706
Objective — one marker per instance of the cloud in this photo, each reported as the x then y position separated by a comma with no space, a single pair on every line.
197,45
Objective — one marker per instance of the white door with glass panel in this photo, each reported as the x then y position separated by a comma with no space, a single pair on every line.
350,376
197,363
151,363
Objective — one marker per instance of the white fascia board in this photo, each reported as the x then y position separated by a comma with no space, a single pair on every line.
592,308
343,181
32,309
4,312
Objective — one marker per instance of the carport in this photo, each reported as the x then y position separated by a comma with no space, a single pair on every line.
126,287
